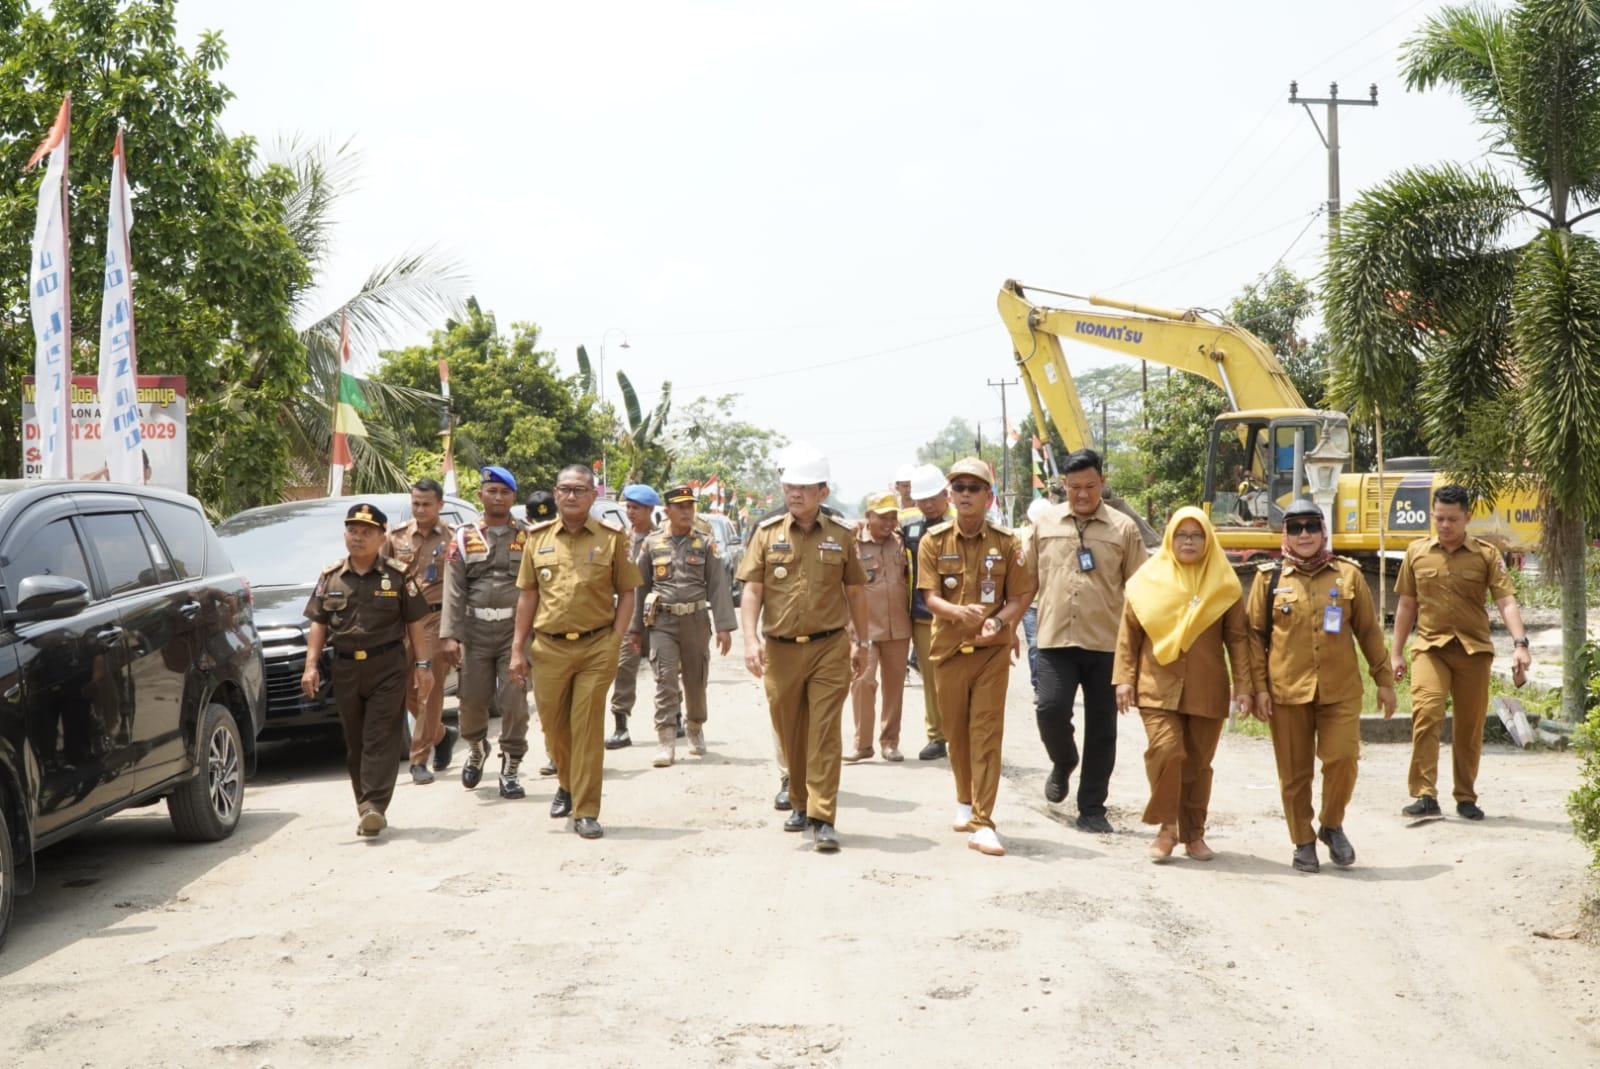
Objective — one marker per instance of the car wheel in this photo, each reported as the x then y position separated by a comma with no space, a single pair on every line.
206,808
8,881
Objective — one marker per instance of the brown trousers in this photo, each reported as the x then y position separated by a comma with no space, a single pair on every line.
570,680
371,698
887,658
1300,735
1178,764
427,728
922,642
680,648
485,677
972,708
626,691
1436,674
806,685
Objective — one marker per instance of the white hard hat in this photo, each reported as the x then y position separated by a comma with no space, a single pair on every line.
926,481
1037,508
902,474
803,465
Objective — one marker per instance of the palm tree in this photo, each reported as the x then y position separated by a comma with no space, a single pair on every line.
1476,273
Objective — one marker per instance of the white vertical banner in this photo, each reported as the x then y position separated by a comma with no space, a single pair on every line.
119,393
49,283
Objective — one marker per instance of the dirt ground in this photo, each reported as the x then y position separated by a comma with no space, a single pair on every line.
696,933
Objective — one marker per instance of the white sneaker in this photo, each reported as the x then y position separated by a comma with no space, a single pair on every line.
963,821
663,756
697,741
985,841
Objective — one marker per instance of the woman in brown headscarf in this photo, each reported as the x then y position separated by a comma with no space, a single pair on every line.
1184,607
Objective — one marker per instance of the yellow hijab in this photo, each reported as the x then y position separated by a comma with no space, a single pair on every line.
1176,602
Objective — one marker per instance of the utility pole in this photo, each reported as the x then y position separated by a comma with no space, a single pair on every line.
1330,140
1005,449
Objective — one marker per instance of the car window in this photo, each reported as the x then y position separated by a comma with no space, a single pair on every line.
183,531
158,552
121,548
51,550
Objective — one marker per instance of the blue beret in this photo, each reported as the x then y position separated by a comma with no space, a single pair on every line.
494,473
640,494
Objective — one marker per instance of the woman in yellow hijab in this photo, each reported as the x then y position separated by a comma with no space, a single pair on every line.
1184,608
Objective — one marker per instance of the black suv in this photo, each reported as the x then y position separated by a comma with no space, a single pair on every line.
129,660
282,549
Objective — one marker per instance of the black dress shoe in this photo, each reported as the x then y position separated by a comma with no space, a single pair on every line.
1426,806
472,767
796,821
1055,786
619,739
823,835
780,801
1339,848
561,805
445,749
1469,810
1305,858
1096,823
588,828
933,751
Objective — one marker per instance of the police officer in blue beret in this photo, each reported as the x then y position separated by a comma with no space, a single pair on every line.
640,502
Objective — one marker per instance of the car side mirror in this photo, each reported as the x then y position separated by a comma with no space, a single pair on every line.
49,597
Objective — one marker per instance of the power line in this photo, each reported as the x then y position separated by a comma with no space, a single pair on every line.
1214,250
835,363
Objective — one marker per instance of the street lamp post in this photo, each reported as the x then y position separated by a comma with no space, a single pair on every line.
603,480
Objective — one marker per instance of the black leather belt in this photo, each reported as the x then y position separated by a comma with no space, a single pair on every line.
801,640
372,651
572,636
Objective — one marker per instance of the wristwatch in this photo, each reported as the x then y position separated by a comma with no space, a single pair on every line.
422,664
861,645
1523,642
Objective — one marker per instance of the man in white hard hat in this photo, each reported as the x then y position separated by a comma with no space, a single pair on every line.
932,506
803,586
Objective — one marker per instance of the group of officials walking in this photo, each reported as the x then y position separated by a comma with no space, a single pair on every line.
831,610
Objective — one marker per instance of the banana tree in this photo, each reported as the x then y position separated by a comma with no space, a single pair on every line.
643,452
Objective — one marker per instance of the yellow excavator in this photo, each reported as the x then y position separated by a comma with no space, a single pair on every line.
1266,451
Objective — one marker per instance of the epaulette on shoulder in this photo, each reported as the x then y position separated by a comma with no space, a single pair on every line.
1266,566
998,529
1353,563
335,566
390,562
940,528
839,522
612,525
770,520
542,524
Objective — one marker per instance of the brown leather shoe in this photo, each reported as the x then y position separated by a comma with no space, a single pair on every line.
1197,849
859,755
1166,839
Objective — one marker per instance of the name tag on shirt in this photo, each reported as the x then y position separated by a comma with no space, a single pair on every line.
547,549
1333,619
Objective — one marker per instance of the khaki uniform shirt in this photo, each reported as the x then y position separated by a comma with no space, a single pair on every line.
1196,682
959,568
683,570
888,572
1307,662
803,574
421,554
364,610
1450,589
578,574
1079,608
480,572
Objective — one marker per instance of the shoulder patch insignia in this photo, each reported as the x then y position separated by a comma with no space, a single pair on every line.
770,520
1002,531
940,528
411,588
1267,565
611,525
541,525
837,522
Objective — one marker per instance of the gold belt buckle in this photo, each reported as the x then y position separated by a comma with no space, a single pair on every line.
968,649
572,636
802,640
360,655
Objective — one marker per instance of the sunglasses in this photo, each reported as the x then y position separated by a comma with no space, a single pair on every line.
968,488
1296,527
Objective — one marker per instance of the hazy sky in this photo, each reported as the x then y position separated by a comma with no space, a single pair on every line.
813,205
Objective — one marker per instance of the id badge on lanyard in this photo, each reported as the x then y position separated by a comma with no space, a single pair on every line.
1333,615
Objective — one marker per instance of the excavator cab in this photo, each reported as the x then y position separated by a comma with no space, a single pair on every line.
1256,464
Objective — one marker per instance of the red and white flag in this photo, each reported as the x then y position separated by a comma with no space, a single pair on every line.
119,368
50,299
445,426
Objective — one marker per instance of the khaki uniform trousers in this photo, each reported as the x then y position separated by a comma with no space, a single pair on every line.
1177,761
1436,674
1330,731
371,698
806,686
570,680
972,707
486,676
627,685
887,658
680,646
922,642
427,728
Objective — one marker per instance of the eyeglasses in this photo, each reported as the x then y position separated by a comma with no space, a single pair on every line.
1187,536
968,488
574,491
1303,527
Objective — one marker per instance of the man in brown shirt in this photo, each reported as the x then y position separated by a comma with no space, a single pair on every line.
978,584
576,601
802,589
418,546
365,607
1084,553
888,592
1442,586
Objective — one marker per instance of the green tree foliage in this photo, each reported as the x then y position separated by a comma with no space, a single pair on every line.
1434,276
959,438
707,438
1181,410
640,448
511,404
215,266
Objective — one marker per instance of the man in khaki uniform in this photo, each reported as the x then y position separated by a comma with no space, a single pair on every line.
577,588
480,599
683,578
418,546
1310,609
640,502
802,587
888,592
931,506
1084,552
1442,586
978,584
365,608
